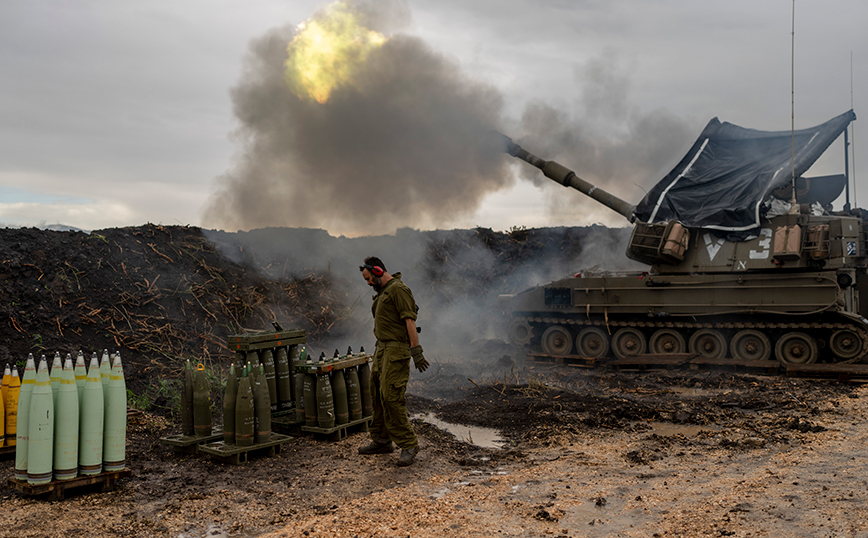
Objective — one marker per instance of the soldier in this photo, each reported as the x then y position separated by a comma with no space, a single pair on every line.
394,311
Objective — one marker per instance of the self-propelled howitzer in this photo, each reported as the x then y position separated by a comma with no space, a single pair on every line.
778,284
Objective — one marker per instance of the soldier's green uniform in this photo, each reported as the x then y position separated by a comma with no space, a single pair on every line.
391,369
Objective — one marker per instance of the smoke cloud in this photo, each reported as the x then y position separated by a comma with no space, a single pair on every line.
604,139
405,145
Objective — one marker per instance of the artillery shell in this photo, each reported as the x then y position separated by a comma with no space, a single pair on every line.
66,425
261,409
325,402
354,393
244,411
201,403
91,422
23,417
339,392
115,437
40,442
229,407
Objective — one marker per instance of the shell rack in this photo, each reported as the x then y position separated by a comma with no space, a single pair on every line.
242,343
189,444
56,489
240,454
339,431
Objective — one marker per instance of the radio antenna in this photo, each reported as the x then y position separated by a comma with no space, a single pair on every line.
794,204
852,133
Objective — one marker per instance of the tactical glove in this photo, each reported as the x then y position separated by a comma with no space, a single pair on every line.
418,359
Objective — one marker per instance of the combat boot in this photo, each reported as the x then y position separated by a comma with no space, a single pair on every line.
377,447
407,456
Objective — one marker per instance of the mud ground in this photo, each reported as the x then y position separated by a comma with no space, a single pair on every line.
587,453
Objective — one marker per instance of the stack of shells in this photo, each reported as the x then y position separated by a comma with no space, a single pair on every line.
196,402
9,391
247,407
335,398
71,421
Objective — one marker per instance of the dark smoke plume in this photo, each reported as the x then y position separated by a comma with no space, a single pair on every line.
406,145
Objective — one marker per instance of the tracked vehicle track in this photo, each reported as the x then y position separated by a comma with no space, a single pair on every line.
788,342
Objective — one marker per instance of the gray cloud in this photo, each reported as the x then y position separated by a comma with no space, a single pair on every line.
406,145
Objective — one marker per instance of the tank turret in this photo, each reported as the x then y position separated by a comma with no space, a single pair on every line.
736,272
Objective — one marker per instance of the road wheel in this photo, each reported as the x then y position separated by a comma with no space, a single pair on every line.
628,341
708,343
592,343
519,332
796,348
666,341
845,344
556,340
750,345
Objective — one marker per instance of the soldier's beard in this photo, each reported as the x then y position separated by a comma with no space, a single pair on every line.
377,284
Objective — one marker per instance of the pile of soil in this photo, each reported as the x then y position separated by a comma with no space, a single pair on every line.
586,452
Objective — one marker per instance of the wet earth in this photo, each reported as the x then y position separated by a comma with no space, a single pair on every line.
584,453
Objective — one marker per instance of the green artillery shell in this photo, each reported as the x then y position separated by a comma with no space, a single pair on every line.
270,378
54,376
115,437
325,402
80,376
201,403
13,390
309,392
295,353
229,407
365,384
284,379
66,425
261,409
21,435
244,411
40,444
105,370
252,359
91,422
354,393
339,391
187,401
4,389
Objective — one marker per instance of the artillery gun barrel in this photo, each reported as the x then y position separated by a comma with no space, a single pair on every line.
568,178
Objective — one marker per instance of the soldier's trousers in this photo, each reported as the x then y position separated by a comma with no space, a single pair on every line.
389,375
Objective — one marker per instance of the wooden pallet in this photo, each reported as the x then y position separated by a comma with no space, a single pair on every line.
770,367
56,489
189,444
654,361
339,433
577,361
237,455
844,372
7,451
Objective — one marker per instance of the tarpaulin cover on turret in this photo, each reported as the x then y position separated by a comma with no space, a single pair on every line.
729,171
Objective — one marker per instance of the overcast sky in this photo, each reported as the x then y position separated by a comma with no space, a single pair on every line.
117,113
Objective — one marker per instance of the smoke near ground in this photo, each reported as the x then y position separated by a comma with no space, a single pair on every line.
405,145
456,275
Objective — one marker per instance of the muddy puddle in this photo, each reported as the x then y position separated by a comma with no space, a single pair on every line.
474,435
